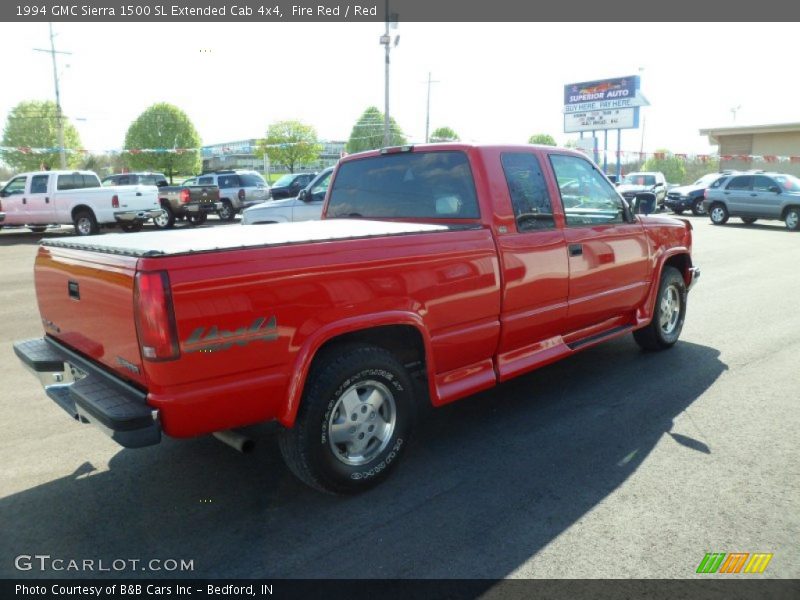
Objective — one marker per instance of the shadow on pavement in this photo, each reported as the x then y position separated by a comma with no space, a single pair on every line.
487,483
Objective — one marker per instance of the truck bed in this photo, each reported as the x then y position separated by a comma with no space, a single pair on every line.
187,241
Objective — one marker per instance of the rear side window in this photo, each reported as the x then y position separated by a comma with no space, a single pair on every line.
67,182
426,185
251,180
203,181
39,184
763,184
743,182
228,181
528,190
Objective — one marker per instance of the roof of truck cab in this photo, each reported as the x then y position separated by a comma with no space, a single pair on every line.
455,146
59,172
187,241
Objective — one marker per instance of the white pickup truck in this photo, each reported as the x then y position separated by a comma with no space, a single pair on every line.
43,198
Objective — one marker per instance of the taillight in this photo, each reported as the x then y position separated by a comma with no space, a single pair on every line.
114,201
155,317
185,196
241,194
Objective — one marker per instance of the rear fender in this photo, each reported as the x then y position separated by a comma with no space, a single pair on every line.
305,357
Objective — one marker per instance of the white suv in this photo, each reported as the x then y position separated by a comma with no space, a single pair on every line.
237,190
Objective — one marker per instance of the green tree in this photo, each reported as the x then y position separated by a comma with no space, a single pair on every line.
670,165
291,143
542,138
444,134
34,124
163,127
367,133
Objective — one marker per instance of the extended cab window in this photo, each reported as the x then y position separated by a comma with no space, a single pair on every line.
586,195
75,181
425,185
228,181
203,181
252,180
39,184
528,189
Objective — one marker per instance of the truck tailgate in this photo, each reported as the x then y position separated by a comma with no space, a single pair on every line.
86,302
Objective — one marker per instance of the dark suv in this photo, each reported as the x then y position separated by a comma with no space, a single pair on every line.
290,185
755,195
690,197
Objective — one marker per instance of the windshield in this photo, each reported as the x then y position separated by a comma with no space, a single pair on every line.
790,183
284,181
639,179
707,180
405,185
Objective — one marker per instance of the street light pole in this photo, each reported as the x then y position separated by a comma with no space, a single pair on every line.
385,40
428,110
62,154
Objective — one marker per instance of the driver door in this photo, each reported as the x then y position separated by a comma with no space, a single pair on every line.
14,201
310,209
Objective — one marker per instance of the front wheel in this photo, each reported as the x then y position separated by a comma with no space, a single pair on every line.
697,208
718,214
665,328
165,219
792,219
354,421
226,213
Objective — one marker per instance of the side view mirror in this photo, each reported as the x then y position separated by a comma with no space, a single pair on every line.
775,189
4,194
303,196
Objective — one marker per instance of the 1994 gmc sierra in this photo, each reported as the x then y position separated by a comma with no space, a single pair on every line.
436,272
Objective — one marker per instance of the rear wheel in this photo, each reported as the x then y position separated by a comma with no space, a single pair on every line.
165,219
85,223
748,220
792,219
718,213
697,208
670,310
197,219
354,421
226,213
131,227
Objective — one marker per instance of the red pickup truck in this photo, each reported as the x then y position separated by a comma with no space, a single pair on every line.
436,272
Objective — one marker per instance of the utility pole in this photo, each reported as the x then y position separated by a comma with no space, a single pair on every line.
59,115
386,40
428,111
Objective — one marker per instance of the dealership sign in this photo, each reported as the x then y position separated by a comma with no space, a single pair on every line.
603,104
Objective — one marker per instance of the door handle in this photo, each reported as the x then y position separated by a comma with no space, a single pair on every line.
575,249
754,194
24,200
47,200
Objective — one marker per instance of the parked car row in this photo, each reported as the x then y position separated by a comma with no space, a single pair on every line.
753,196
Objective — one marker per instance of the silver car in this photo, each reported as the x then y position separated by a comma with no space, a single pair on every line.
752,196
237,190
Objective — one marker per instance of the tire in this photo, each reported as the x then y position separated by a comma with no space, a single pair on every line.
38,229
85,223
792,218
197,219
166,219
748,220
670,311
697,208
131,227
677,211
227,212
718,213
325,449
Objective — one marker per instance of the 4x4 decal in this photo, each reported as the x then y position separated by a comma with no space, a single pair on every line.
214,339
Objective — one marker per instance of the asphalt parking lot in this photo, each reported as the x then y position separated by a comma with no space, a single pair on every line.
614,463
